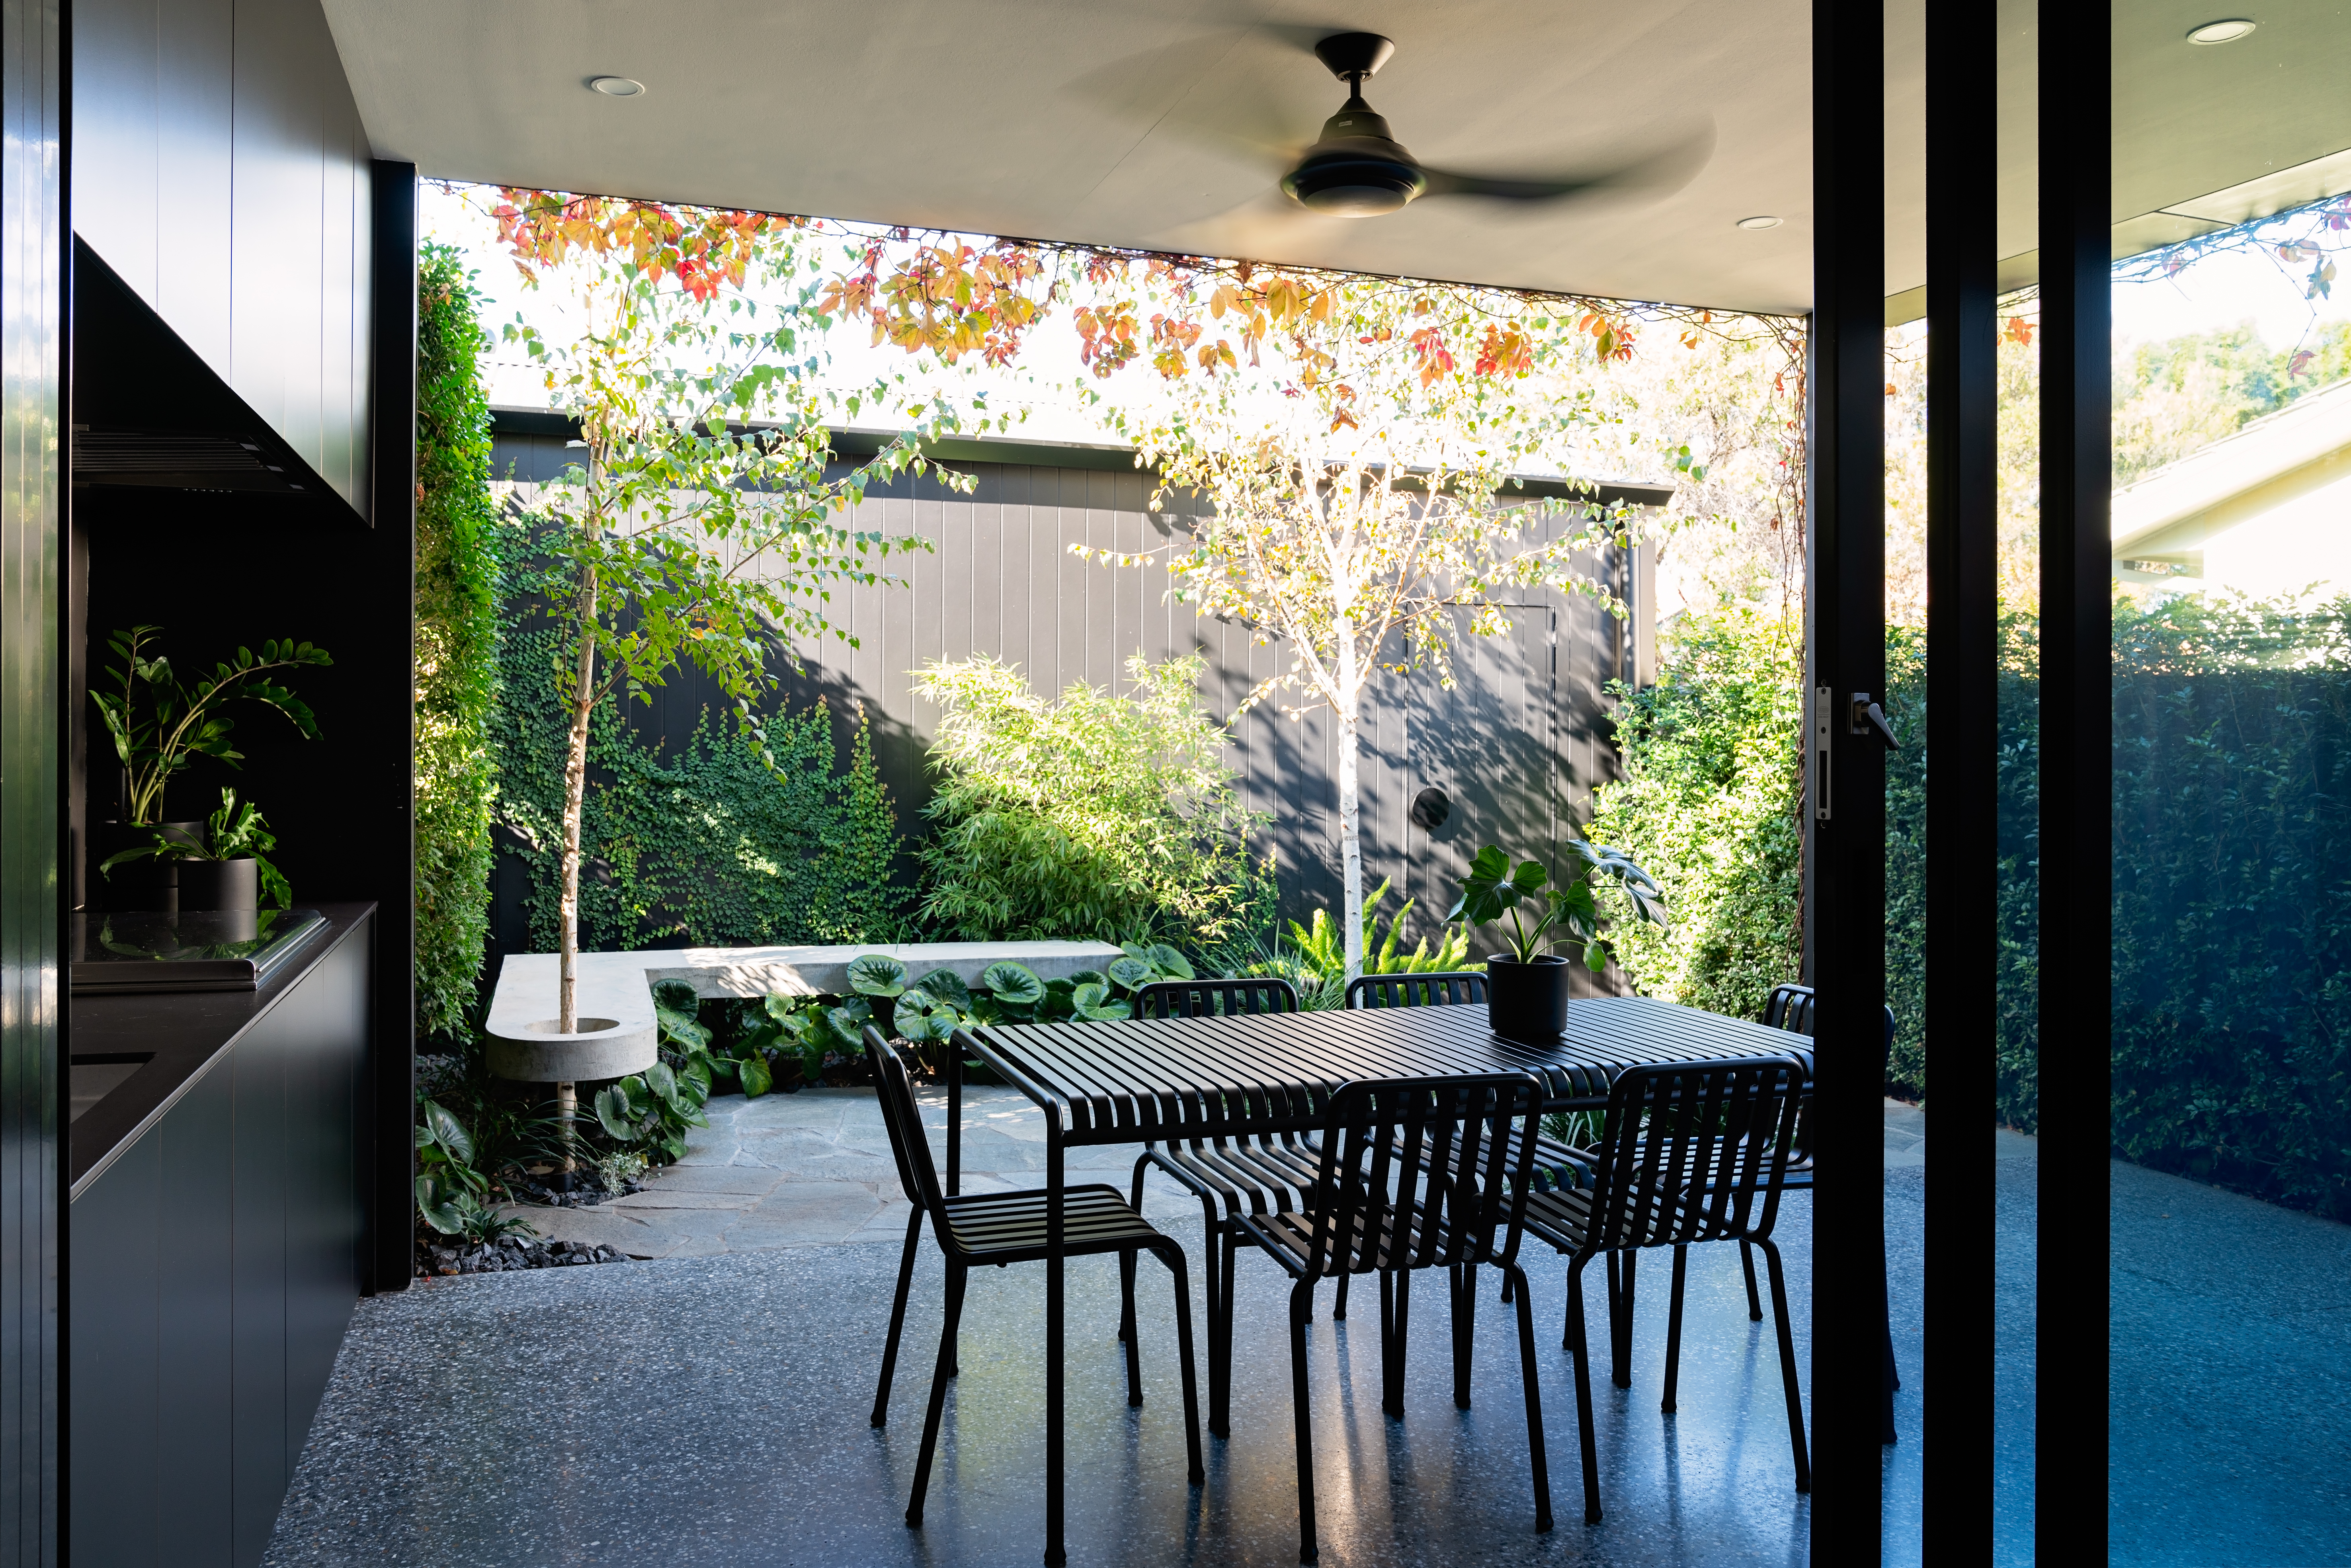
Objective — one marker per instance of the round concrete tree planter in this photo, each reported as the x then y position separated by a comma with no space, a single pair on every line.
538,1052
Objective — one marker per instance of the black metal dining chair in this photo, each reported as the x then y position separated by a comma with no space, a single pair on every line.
1228,1175
1688,1153
1439,988
1402,1184
1004,1227
1790,1006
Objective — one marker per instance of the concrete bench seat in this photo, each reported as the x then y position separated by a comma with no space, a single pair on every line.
615,991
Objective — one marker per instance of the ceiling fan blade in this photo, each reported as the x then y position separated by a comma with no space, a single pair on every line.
1658,174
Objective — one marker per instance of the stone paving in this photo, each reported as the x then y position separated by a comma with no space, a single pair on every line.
814,1169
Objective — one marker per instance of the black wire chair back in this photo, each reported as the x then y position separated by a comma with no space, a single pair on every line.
1214,999
1443,987
1694,1152
1789,1007
1404,1180
918,1174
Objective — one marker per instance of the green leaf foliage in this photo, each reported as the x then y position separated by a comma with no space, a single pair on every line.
458,538
2232,894
710,842
1097,815
876,975
1013,985
1710,805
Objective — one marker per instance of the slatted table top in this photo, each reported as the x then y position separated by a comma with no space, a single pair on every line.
1145,1079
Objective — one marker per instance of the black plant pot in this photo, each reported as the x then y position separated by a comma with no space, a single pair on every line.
142,883
220,884
1527,1002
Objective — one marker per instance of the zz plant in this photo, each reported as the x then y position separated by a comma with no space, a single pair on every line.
160,724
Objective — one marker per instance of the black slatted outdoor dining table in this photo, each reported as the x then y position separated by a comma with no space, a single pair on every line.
1147,1080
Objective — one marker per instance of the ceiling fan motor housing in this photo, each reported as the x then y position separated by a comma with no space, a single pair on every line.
1357,170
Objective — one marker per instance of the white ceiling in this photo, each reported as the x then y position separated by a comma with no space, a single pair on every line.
1159,122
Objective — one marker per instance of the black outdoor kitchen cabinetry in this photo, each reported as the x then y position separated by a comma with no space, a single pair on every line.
215,1259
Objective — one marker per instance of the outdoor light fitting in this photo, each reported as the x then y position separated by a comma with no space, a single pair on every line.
616,87
2226,31
1759,221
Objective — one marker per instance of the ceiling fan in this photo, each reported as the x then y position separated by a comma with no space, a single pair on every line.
1359,170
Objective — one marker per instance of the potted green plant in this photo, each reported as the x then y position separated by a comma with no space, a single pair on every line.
227,868
1525,988
160,725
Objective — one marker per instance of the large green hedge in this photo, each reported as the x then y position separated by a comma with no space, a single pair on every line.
710,843
2231,981
456,645
2232,895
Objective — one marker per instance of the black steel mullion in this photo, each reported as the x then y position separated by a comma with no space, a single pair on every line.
1845,800
2077,763
1962,743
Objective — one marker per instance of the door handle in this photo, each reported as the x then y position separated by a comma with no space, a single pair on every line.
1868,718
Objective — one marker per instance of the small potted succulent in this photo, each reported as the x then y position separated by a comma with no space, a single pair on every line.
225,868
1525,988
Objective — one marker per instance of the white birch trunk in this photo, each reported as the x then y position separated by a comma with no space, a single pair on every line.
1346,709
575,791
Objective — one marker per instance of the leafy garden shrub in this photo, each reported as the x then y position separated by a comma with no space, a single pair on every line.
2232,895
1710,806
1096,816
456,674
724,843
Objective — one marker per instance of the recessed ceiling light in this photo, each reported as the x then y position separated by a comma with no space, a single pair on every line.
616,87
2226,31
1759,221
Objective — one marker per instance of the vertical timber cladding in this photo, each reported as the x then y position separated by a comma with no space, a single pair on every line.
32,270
1518,744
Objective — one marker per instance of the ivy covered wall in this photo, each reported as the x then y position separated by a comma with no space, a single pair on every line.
704,842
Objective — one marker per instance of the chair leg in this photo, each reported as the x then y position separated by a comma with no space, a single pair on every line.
1620,1323
1788,1366
1575,1342
956,1278
1674,1331
1126,1260
1531,1375
1126,1315
1172,1255
897,1316
1338,1307
1392,1345
1747,1262
1220,1343
1302,1307
1465,1322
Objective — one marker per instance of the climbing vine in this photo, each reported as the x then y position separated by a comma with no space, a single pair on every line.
456,669
710,842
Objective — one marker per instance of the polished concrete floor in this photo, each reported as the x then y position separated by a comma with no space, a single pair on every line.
713,1411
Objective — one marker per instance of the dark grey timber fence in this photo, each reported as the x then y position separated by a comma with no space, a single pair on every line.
1517,744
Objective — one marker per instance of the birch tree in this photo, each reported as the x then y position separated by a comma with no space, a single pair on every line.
1363,514
705,523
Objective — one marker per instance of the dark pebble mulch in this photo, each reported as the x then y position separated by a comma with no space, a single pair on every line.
527,1189
434,1258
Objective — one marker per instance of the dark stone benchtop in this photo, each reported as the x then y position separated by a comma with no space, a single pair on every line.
186,1031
